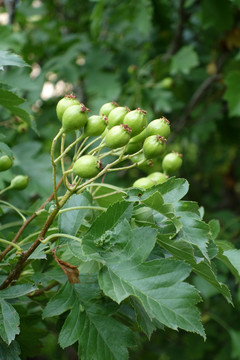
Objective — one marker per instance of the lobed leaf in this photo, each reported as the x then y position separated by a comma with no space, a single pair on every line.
9,59
9,322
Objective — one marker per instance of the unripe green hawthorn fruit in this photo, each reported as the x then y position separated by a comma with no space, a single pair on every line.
159,127
136,120
87,166
96,125
132,147
118,136
64,103
143,183
157,177
104,133
107,108
74,117
132,69
19,182
137,158
143,214
117,115
145,163
140,137
167,82
154,146
172,162
5,162
22,128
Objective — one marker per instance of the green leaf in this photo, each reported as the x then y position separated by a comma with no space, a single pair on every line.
232,81
158,285
11,102
223,14
65,298
9,59
184,251
235,340
214,226
70,221
106,221
184,60
61,302
143,320
102,337
5,149
155,201
171,191
73,326
224,246
39,252
193,230
97,18
106,201
16,291
143,16
9,352
234,257
9,322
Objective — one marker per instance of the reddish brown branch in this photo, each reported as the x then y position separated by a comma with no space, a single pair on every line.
46,288
27,222
15,273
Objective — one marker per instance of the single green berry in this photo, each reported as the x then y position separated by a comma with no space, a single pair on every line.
136,120
96,125
154,146
172,162
157,177
5,162
140,137
159,127
22,128
64,103
132,147
87,166
145,164
118,136
19,182
143,214
74,118
137,158
107,108
117,115
104,133
167,82
143,183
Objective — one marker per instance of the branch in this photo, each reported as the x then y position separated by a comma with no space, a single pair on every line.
46,288
177,39
201,90
27,222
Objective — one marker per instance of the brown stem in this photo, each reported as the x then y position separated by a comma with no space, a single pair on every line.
27,222
46,288
15,273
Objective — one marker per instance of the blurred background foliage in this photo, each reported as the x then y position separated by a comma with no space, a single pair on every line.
177,58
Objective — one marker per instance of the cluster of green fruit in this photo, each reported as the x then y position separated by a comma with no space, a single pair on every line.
119,128
19,182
